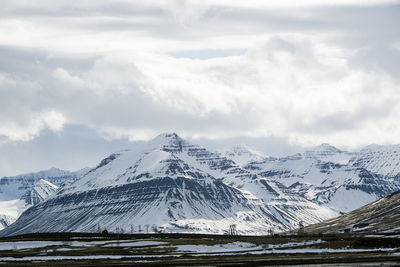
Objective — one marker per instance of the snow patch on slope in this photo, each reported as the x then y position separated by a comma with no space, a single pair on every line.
6,221
39,192
242,154
380,159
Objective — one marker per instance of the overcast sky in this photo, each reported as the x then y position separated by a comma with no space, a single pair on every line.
80,79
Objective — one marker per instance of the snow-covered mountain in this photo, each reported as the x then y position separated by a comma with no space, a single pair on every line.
6,221
181,187
39,192
15,186
341,180
380,159
13,189
328,153
176,186
242,154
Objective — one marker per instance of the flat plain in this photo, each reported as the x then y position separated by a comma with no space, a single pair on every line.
52,249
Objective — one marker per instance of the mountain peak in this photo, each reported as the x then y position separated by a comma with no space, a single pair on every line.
242,154
39,192
326,147
168,135
169,142
244,148
166,138
323,151
323,148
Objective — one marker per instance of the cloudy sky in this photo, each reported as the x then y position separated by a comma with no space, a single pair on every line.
80,79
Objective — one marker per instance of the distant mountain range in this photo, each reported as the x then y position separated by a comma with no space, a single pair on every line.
340,180
173,185
17,193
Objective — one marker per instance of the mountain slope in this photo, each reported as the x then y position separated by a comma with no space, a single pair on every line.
380,159
39,192
380,216
6,221
12,189
328,153
16,186
319,176
175,186
150,185
242,154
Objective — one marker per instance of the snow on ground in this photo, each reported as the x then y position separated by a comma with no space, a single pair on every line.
235,246
38,244
319,250
242,246
297,244
136,244
348,199
67,249
50,258
12,208
215,253
28,244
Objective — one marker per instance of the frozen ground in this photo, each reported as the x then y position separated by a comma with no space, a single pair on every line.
202,250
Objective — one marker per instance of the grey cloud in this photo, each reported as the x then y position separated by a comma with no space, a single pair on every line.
29,87
357,25
27,62
74,148
381,58
104,95
370,31
264,19
103,108
207,53
347,121
363,25
63,9
78,146
275,146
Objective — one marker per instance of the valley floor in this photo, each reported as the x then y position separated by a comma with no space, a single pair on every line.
53,249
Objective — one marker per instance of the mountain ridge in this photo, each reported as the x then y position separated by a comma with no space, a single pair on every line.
191,188
379,216
13,189
174,184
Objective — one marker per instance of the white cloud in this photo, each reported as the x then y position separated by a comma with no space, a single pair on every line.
114,68
65,77
15,131
298,3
